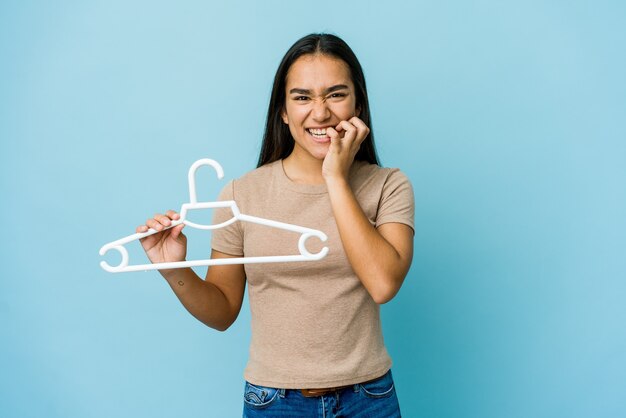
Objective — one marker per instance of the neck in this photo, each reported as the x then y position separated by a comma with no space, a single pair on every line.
304,170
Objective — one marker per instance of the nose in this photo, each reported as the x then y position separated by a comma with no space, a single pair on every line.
320,111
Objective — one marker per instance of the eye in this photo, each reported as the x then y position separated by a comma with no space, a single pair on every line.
301,98
338,95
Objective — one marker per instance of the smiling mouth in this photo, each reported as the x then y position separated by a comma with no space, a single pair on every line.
318,134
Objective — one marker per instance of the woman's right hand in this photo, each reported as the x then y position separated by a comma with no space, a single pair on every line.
167,245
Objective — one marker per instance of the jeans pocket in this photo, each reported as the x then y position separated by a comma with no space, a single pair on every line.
378,388
259,396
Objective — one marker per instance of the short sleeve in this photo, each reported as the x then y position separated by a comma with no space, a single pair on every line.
397,202
229,239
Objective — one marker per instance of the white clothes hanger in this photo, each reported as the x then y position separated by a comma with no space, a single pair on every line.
304,255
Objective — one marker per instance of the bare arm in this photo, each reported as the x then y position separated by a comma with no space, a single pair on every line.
380,257
215,301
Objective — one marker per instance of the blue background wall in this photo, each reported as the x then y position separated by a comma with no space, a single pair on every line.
509,118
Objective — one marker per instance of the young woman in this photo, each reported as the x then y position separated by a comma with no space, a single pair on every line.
317,348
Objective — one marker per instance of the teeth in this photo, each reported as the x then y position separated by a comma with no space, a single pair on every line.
318,131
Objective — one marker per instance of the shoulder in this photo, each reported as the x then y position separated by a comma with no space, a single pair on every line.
259,174
253,182
366,175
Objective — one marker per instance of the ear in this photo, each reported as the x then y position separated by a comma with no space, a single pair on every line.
283,115
358,111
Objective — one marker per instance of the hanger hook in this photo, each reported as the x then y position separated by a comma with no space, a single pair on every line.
123,252
302,247
192,175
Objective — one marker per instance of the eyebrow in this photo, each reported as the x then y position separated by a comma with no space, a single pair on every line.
328,90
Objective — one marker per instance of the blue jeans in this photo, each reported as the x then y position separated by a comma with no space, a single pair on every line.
375,399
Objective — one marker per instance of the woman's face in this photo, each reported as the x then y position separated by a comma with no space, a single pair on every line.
319,94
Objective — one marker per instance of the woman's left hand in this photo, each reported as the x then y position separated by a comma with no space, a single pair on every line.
345,141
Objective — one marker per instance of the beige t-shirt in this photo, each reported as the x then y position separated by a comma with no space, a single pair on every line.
314,324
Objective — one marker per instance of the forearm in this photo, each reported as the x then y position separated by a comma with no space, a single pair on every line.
202,299
374,260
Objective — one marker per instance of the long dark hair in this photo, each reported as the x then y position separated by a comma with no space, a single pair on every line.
277,140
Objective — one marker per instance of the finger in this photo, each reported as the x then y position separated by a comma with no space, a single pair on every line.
141,228
341,130
176,231
350,129
332,134
164,220
335,138
359,124
355,120
172,214
362,129
154,224
334,131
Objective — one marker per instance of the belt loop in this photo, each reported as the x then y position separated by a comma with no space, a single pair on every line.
356,388
281,393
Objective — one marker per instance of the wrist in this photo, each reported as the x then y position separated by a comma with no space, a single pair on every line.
172,275
336,180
